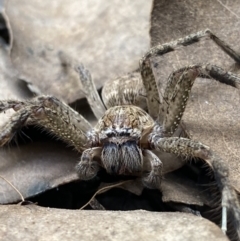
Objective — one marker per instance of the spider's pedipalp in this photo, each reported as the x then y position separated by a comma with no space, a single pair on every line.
189,148
50,113
154,176
88,167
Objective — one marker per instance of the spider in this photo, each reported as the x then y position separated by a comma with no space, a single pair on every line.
123,140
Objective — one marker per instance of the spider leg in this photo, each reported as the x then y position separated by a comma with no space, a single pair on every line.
178,89
154,164
189,148
149,82
10,104
88,168
50,113
87,84
90,91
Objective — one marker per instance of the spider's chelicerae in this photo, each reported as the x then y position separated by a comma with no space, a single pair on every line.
125,135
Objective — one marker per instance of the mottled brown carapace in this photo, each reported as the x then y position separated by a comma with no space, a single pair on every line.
128,131
122,133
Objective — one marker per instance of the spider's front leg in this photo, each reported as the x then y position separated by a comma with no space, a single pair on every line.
190,149
50,113
87,84
153,98
90,91
178,89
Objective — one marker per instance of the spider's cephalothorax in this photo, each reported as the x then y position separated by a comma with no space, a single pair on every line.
125,135
120,136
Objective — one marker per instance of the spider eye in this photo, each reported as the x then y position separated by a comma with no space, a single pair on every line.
122,158
126,131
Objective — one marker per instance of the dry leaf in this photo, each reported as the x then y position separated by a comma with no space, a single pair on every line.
35,168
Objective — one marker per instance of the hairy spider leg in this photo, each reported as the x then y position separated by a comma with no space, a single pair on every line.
153,98
87,85
178,89
88,167
174,101
50,113
90,91
190,149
